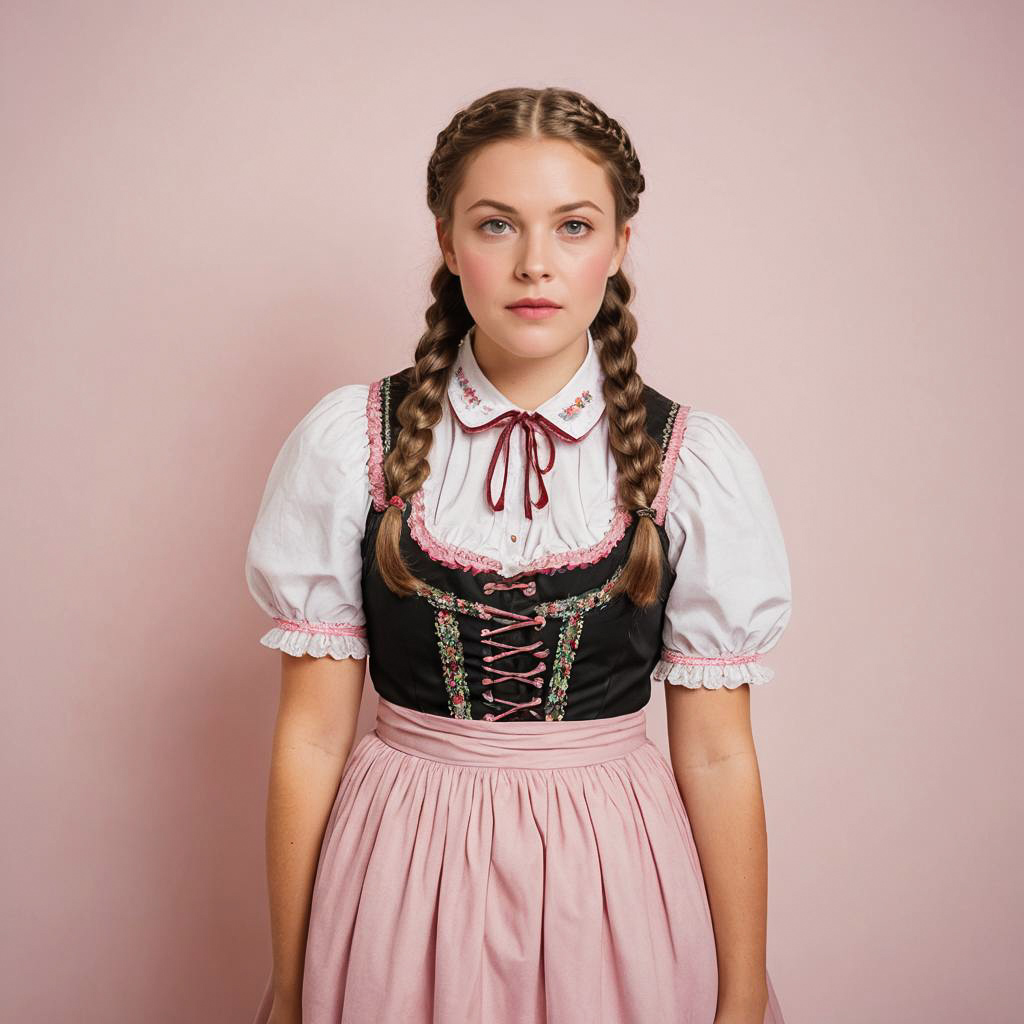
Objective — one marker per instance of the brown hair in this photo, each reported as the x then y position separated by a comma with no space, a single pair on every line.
511,114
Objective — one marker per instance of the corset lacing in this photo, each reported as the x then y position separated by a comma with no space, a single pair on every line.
531,677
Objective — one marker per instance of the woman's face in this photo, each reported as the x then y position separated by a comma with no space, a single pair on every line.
534,218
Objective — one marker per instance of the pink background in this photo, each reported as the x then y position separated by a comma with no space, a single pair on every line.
214,214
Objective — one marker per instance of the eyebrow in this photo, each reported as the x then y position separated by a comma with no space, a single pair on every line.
565,208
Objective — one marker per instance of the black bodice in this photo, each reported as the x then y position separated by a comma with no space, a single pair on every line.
544,645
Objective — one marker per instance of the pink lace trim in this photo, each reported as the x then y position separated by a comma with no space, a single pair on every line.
447,554
462,558
327,628
584,556
687,659
376,465
668,464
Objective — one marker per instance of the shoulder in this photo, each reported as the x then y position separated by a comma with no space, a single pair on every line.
718,505
708,431
711,439
688,431
329,445
718,483
338,409
708,462
335,422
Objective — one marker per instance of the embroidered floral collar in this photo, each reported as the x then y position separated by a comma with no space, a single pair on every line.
565,418
574,409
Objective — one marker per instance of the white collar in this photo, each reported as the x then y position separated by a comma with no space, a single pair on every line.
574,409
476,402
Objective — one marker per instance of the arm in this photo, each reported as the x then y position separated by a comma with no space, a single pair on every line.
316,722
715,766
303,567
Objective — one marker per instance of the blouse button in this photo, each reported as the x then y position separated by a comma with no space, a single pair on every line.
514,537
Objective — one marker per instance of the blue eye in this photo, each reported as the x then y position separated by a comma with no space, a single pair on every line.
500,220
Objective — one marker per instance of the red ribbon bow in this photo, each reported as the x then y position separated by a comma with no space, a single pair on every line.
531,423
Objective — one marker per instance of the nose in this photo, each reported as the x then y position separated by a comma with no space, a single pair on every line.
534,261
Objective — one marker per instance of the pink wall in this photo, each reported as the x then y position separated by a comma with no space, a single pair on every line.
213,214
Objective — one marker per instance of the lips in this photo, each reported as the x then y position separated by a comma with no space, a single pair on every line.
534,312
535,304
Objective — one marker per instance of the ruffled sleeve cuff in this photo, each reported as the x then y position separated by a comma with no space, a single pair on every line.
317,639
712,673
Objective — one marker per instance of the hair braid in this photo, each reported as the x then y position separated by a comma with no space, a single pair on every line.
637,457
406,465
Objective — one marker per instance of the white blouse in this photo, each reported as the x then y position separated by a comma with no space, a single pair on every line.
729,604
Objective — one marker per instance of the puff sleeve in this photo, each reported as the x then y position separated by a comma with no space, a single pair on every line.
731,598
303,564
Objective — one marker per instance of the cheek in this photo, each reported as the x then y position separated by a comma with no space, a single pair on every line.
591,273
480,271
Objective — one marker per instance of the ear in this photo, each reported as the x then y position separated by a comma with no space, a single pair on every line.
447,252
620,250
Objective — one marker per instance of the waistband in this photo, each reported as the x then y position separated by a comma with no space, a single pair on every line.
520,744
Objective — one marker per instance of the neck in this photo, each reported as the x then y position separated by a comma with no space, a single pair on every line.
527,382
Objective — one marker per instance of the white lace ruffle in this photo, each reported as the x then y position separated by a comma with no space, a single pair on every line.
296,642
712,677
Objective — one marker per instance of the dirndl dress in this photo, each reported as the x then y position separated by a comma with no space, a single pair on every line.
540,872
507,845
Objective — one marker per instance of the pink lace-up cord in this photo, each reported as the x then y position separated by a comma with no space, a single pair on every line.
529,588
531,677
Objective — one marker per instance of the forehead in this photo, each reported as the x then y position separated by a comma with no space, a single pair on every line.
534,176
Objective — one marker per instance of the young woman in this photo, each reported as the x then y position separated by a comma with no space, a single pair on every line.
520,534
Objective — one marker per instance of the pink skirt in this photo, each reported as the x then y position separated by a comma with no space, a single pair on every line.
491,873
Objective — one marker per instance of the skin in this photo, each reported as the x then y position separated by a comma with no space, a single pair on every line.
527,248
711,749
501,256
313,736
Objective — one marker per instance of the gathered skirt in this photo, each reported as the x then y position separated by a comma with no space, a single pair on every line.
527,872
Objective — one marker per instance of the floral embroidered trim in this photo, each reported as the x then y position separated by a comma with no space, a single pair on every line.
573,609
566,606
453,603
688,659
582,400
452,665
450,644
378,489
327,628
676,424
469,395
